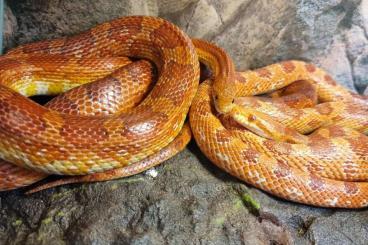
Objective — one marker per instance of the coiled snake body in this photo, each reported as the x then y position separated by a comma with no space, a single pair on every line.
328,168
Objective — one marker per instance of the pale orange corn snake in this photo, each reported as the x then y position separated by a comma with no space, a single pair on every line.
287,164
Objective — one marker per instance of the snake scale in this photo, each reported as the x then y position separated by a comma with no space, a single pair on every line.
319,158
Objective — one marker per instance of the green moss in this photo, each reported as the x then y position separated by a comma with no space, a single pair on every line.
60,194
18,222
252,205
114,187
60,214
46,221
300,232
238,204
219,221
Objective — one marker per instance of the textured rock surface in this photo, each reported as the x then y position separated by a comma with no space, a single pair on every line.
10,27
191,201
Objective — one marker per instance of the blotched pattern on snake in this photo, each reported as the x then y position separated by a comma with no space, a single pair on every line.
326,168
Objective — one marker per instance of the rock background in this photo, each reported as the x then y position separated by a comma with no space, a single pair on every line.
190,201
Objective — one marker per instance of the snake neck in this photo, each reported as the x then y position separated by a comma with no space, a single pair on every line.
222,66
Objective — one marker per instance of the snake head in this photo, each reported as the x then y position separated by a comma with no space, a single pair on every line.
256,122
223,104
266,126
223,98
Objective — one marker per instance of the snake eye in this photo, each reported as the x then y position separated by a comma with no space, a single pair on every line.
216,97
252,118
233,101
